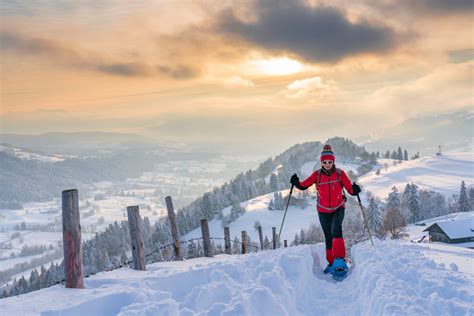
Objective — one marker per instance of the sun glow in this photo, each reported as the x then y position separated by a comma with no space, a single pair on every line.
276,66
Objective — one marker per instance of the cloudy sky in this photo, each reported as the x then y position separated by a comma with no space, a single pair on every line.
232,71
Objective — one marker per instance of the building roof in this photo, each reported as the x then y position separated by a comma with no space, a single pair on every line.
455,229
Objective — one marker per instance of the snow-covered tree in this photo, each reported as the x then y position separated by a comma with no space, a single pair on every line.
433,204
302,236
192,250
374,215
277,202
463,199
271,205
207,208
273,182
453,203
470,195
296,241
414,206
393,199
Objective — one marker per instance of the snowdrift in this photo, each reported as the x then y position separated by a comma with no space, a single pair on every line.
391,279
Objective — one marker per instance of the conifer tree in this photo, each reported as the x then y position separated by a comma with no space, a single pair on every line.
273,182
414,204
374,215
393,199
463,199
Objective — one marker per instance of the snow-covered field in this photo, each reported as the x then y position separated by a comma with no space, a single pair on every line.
391,278
442,174
183,180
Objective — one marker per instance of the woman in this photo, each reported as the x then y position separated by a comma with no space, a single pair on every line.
330,182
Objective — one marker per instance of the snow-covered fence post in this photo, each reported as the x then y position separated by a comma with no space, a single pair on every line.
286,243
134,222
72,244
260,235
244,242
274,233
206,238
174,228
228,250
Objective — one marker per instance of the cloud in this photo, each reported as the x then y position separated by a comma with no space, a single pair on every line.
76,58
179,71
239,81
310,87
316,34
21,44
425,7
448,87
127,70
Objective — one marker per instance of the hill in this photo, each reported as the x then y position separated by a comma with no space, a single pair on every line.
442,173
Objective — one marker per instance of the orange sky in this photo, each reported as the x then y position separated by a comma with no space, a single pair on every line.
218,70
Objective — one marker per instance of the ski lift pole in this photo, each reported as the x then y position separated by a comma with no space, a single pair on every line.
365,220
286,209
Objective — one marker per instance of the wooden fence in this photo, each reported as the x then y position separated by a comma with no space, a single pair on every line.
72,243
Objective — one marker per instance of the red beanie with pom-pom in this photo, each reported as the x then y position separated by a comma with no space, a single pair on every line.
327,153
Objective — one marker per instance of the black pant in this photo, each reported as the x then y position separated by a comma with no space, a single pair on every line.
332,225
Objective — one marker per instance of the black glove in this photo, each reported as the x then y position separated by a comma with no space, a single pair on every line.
355,189
295,180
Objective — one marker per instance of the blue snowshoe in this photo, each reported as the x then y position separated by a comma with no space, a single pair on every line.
328,269
339,269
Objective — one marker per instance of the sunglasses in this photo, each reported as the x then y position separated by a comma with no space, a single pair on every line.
327,162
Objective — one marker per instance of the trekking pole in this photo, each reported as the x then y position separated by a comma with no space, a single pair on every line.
286,209
365,219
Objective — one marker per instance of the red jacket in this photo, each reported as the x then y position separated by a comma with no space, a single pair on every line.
329,189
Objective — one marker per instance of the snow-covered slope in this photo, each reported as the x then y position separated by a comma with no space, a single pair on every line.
28,155
257,210
388,279
438,173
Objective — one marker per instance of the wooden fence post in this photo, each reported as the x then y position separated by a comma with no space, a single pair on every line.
228,250
174,228
244,242
286,243
206,238
274,237
72,244
138,253
260,235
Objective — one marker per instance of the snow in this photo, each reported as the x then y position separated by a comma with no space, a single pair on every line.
25,155
391,278
257,210
442,174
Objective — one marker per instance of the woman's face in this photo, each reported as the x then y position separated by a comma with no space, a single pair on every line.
327,164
